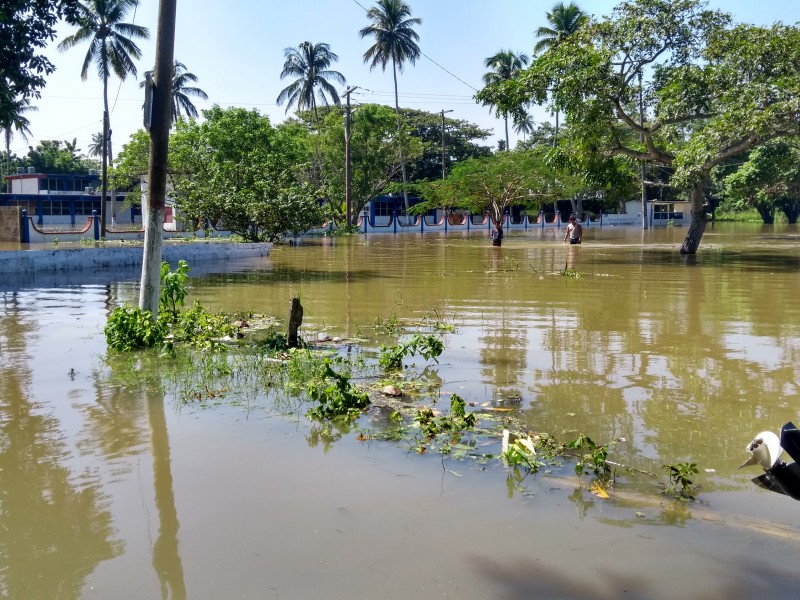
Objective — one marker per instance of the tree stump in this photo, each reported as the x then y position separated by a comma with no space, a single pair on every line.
295,320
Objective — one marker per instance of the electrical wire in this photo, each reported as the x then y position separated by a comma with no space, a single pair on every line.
453,75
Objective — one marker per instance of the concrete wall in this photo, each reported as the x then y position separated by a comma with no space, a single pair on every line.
41,261
10,224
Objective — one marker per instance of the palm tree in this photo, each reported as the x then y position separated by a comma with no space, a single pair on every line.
96,146
505,65
111,48
564,21
524,124
309,62
181,92
396,41
16,121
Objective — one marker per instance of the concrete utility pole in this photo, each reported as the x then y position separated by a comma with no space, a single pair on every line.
443,156
641,170
104,175
161,106
348,183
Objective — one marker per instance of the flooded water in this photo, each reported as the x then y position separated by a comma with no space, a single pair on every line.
117,491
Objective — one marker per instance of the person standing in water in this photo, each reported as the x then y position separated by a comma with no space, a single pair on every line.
497,234
574,231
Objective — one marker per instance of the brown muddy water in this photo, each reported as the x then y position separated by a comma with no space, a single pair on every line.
109,491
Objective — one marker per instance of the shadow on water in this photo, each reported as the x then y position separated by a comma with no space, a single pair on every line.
744,577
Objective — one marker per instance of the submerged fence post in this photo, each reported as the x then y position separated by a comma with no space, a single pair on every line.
26,232
96,224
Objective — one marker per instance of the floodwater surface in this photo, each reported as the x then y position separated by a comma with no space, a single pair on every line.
110,490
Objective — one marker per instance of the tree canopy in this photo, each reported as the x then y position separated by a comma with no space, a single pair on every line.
237,170
26,27
711,89
495,183
56,156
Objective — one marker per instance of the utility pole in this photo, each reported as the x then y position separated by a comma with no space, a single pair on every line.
443,155
641,170
348,183
104,175
160,105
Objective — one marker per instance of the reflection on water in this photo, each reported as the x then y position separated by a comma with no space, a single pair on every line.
677,359
55,522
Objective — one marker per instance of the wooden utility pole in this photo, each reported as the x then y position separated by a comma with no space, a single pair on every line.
348,182
159,121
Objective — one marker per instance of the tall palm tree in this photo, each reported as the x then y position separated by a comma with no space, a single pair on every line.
396,41
505,65
16,121
95,148
524,124
111,49
309,63
564,21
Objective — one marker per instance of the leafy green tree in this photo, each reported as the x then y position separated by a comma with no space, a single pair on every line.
181,90
392,28
131,165
715,90
505,65
13,118
309,63
55,156
769,179
495,183
26,27
375,154
462,141
237,170
111,49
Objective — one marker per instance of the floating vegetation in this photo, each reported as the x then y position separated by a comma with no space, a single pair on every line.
343,387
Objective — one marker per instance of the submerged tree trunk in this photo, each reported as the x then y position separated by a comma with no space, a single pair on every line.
791,208
699,220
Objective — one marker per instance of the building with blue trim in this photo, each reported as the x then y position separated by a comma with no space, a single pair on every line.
61,198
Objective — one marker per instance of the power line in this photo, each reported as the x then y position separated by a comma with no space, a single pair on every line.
453,75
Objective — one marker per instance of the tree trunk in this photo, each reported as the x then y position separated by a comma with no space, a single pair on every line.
767,213
508,144
790,208
699,220
295,321
157,173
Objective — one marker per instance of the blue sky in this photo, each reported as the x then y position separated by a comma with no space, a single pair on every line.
236,50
